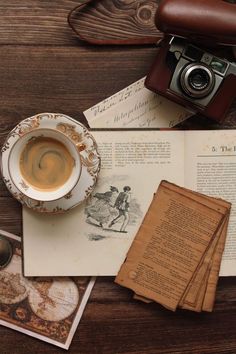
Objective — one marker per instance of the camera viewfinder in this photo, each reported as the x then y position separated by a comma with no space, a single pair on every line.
193,53
218,65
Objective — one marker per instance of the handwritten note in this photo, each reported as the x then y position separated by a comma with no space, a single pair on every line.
113,100
136,107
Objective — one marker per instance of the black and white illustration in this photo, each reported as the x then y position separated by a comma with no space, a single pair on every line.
112,208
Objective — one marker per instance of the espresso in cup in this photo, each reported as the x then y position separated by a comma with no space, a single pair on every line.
44,165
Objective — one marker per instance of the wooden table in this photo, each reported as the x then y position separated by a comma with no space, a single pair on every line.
44,68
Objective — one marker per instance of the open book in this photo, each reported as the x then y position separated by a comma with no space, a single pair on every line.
86,241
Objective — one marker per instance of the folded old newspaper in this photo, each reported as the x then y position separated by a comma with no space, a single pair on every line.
175,257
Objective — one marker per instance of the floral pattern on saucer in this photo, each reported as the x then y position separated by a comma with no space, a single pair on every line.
87,149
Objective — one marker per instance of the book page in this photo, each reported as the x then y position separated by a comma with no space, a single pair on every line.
197,307
200,292
209,297
210,160
94,237
195,292
169,245
136,107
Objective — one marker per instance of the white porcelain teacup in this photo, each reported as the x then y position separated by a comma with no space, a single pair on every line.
44,164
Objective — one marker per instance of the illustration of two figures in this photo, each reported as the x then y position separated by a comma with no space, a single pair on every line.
110,208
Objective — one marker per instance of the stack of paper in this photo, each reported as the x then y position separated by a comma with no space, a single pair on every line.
175,257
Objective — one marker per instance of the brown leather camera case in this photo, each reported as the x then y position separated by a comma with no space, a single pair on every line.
205,21
159,77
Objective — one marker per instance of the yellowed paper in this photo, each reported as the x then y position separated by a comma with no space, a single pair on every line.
170,243
194,293
214,272
136,107
141,298
199,289
195,286
197,307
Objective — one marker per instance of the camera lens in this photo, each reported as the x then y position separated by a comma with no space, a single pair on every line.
197,80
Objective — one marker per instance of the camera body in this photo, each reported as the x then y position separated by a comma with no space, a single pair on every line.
187,73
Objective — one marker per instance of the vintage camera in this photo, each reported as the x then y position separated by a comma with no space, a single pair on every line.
197,75
185,71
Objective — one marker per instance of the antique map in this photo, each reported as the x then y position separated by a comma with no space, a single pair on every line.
46,308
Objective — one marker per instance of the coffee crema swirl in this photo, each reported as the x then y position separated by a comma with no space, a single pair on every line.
45,163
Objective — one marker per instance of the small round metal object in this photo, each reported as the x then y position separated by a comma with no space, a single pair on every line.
197,80
5,252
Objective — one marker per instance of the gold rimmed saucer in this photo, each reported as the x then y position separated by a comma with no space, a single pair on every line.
87,148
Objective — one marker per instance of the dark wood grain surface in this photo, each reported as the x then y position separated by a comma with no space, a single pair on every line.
44,67
131,21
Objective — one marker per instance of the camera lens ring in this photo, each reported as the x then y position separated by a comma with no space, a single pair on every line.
197,80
